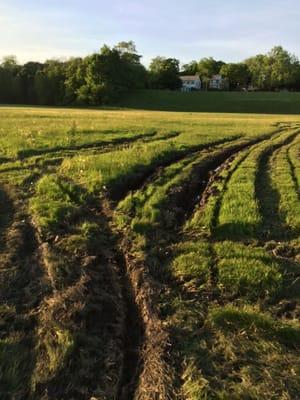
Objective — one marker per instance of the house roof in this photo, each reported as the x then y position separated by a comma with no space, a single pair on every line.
190,78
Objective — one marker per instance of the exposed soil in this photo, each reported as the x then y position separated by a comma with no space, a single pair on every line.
22,284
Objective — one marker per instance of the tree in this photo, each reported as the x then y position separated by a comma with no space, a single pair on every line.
276,70
49,83
164,73
260,71
75,72
111,73
133,72
25,82
237,74
190,68
207,67
9,69
284,67
9,63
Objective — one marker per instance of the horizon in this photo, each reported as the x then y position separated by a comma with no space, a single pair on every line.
230,32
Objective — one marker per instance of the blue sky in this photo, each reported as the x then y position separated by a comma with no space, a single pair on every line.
231,30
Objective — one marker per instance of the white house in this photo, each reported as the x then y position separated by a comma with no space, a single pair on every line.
190,82
217,82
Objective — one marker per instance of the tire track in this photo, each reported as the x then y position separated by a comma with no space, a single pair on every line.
97,147
22,287
293,172
87,307
145,372
157,376
187,292
273,226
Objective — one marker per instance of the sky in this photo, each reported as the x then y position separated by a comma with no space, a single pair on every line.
230,30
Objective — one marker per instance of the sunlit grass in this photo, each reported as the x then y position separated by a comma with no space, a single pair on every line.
246,271
240,213
119,169
218,284
285,181
46,128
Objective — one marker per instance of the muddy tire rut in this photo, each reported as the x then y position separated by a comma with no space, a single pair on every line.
22,288
156,375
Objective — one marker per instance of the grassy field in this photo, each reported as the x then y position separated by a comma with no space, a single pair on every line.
229,102
149,255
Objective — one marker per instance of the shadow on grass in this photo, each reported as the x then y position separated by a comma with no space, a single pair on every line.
273,220
239,231
290,269
213,102
21,292
26,153
273,225
233,319
16,366
5,214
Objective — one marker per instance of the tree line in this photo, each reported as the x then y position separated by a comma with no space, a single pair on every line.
101,78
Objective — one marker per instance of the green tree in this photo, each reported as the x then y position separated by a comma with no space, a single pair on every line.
283,67
260,71
49,83
237,74
25,81
207,67
133,73
276,70
9,69
111,73
164,73
75,72
190,68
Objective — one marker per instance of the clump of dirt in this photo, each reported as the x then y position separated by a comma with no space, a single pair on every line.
284,250
288,309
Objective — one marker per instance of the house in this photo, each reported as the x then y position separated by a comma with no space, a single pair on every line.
217,82
190,82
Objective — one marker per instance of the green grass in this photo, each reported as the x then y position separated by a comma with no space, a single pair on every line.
56,203
240,214
294,153
247,271
205,219
193,262
223,294
234,319
120,169
55,346
149,207
285,181
31,129
15,365
231,102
